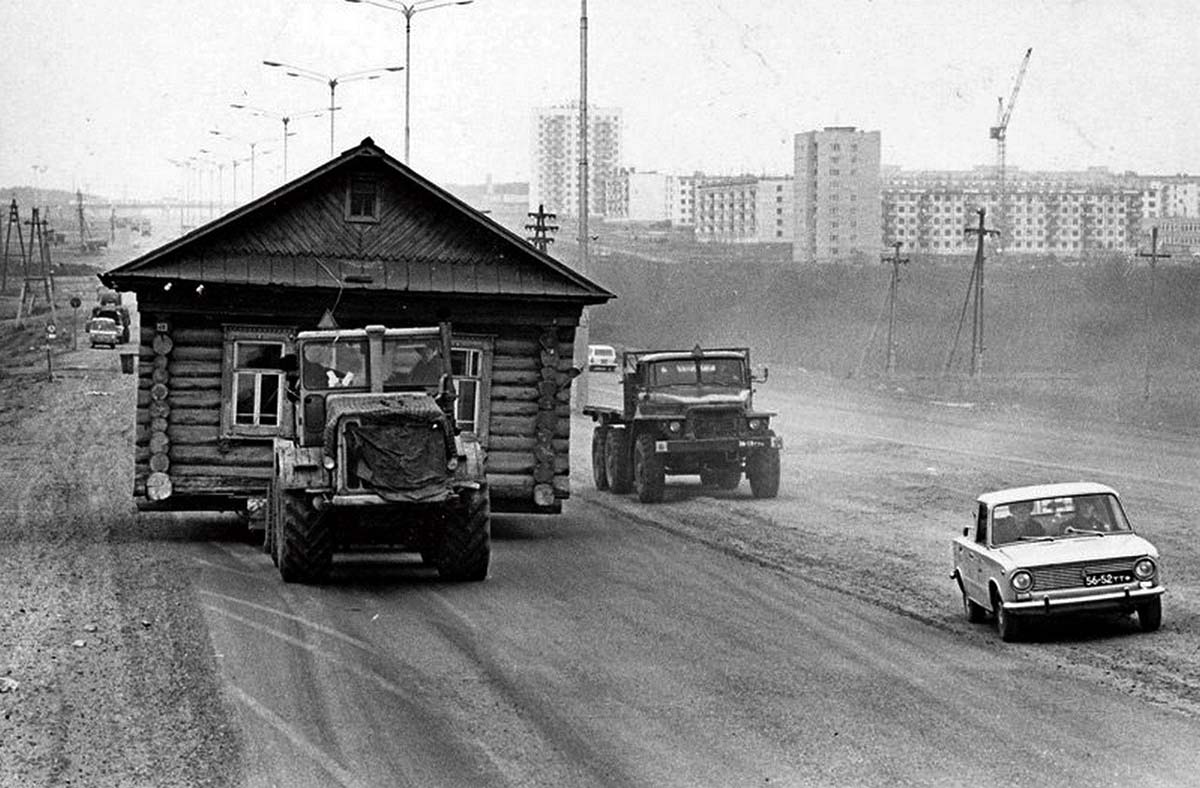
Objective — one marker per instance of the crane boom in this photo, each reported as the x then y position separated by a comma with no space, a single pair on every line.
1004,111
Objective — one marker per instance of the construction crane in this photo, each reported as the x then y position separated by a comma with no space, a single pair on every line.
999,133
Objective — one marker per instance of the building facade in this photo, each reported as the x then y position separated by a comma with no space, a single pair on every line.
1063,214
837,203
554,180
744,209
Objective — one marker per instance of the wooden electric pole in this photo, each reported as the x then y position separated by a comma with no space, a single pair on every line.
977,275
1154,256
896,260
541,239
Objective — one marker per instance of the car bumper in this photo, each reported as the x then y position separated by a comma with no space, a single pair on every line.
717,445
1123,598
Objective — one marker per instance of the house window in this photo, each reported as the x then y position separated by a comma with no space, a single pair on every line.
362,200
471,361
252,384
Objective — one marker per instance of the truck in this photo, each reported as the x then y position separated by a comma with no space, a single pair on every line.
685,412
372,456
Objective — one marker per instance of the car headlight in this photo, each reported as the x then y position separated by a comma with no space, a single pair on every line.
675,427
1021,581
328,462
755,424
1144,569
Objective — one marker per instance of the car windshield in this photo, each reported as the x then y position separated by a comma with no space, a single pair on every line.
335,364
1059,517
721,372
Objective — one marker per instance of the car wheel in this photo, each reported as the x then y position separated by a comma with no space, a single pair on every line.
1150,615
616,462
599,471
649,476
975,613
1007,625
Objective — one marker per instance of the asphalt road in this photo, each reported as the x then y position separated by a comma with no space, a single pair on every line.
705,641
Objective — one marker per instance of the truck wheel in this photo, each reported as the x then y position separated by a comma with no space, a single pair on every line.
599,471
305,541
762,469
649,477
467,547
721,478
1150,615
616,462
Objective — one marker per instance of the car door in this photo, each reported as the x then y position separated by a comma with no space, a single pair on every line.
969,557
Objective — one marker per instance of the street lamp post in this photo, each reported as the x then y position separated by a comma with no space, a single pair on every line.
286,119
332,82
237,161
410,9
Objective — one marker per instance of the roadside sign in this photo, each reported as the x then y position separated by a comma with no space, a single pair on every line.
51,331
75,302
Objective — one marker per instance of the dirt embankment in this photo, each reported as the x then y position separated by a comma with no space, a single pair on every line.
106,674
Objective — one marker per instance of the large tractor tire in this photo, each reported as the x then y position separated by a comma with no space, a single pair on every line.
305,541
762,469
599,471
466,548
649,475
272,514
616,462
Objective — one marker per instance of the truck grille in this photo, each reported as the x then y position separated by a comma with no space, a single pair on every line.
715,425
1051,578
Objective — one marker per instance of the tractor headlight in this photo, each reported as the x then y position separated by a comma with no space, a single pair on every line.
1144,569
329,462
1021,581
675,427
755,424
452,463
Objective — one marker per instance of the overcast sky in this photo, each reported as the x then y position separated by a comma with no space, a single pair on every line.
105,94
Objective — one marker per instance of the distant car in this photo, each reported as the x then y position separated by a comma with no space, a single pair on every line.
103,331
602,357
1055,549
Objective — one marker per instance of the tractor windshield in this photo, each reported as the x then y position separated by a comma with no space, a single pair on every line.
335,364
411,363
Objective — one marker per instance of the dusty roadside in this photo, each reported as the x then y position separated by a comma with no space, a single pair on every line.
106,672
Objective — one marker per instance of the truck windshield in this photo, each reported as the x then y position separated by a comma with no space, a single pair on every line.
336,364
720,372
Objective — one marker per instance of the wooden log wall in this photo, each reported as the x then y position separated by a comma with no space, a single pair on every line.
179,449
529,428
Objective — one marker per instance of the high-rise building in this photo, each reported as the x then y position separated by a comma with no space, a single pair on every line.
554,181
837,187
744,209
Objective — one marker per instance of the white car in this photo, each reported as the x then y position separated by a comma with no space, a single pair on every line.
1055,549
602,357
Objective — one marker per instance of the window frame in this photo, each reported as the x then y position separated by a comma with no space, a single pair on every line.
485,347
233,334
362,218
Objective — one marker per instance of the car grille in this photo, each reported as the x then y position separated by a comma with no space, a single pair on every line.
1051,578
715,425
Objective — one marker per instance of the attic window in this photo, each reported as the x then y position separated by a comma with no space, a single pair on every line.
362,200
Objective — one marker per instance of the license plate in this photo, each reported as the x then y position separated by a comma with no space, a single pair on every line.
1107,578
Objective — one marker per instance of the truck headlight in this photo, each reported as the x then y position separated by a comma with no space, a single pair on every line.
755,424
1021,581
1144,569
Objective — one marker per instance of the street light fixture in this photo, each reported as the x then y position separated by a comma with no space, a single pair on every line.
236,162
333,82
286,119
409,9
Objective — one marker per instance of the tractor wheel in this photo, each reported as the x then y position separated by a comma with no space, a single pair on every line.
762,469
616,462
268,543
467,545
649,477
721,478
305,541
599,471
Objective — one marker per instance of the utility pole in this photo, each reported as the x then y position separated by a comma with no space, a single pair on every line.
977,275
541,239
896,260
14,219
582,334
1154,256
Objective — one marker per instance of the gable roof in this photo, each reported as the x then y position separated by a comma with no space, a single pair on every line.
425,241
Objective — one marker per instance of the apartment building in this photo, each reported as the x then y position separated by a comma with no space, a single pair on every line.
554,180
744,209
837,196
1065,214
